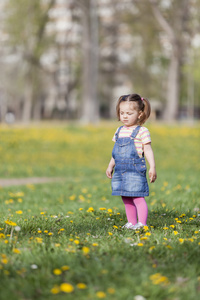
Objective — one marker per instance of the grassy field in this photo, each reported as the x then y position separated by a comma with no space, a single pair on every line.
64,240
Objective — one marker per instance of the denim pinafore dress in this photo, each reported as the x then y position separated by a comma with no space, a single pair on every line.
129,177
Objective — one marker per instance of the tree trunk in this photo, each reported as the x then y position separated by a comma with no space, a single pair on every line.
37,110
173,87
28,102
3,106
176,38
90,109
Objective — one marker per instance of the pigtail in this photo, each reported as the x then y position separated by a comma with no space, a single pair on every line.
146,111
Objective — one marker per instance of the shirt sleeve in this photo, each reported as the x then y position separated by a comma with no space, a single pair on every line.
145,136
113,139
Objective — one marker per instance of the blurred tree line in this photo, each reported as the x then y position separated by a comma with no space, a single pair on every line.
72,59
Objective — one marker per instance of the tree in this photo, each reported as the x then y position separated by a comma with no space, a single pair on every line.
90,56
176,29
25,24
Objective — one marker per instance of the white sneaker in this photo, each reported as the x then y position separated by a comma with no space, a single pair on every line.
137,226
128,225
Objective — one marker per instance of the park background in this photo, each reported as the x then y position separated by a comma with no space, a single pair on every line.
63,65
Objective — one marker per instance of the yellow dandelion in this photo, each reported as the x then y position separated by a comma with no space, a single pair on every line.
181,240
38,240
110,233
144,238
172,226
66,288
4,261
191,240
95,244
151,248
19,212
100,294
76,242
102,208
42,213
175,232
111,291
50,233
81,286
110,210
55,290
114,226
169,247
17,251
2,236
148,233
11,223
165,228
90,209
140,244
196,232
159,279
80,208
85,250
65,268
72,197
57,272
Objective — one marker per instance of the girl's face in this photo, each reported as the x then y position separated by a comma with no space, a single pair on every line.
129,113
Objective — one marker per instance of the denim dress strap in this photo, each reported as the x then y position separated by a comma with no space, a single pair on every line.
135,132
117,133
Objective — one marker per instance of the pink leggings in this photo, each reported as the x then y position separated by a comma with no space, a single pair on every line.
135,208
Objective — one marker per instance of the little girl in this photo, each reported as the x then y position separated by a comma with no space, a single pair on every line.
132,142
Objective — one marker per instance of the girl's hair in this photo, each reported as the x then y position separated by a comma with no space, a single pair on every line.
142,104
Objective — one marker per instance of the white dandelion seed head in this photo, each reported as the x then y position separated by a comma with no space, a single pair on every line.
34,267
17,228
139,297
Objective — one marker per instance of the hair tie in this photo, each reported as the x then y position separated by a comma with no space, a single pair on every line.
142,99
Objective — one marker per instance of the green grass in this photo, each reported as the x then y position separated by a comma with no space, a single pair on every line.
77,223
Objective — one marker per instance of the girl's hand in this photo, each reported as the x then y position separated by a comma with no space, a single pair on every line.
152,175
110,168
109,172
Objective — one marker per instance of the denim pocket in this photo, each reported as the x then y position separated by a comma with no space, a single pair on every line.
141,169
123,148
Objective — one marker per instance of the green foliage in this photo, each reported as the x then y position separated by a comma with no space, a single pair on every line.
25,24
69,242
